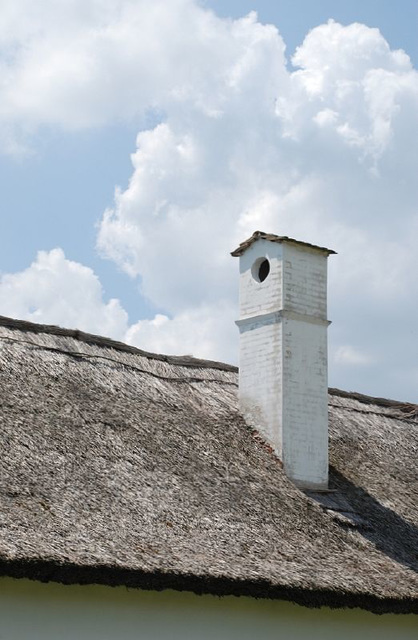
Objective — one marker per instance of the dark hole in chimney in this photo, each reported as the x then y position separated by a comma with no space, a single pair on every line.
263,270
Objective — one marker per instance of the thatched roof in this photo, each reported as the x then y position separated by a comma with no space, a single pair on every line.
271,237
122,467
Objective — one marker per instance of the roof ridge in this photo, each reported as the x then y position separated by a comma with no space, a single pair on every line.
101,341
407,408
404,407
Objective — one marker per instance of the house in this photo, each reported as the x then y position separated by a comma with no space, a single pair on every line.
142,497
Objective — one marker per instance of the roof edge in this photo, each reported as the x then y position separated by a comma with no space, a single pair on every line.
67,573
271,237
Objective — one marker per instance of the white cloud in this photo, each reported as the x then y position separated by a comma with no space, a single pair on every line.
321,152
90,62
59,291
207,332
56,290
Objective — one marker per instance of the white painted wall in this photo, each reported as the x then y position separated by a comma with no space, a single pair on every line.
305,280
283,355
35,611
305,402
260,377
261,297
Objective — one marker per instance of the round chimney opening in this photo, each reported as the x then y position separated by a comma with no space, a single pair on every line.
260,269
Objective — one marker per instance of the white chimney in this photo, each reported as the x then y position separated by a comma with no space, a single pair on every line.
283,378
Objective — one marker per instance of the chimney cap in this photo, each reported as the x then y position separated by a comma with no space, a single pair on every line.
261,235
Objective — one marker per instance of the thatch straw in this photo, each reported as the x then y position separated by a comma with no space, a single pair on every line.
121,467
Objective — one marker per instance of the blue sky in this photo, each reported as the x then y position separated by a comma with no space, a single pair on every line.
68,133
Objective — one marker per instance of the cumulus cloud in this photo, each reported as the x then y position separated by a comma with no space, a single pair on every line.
320,151
86,63
205,331
322,154
56,290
